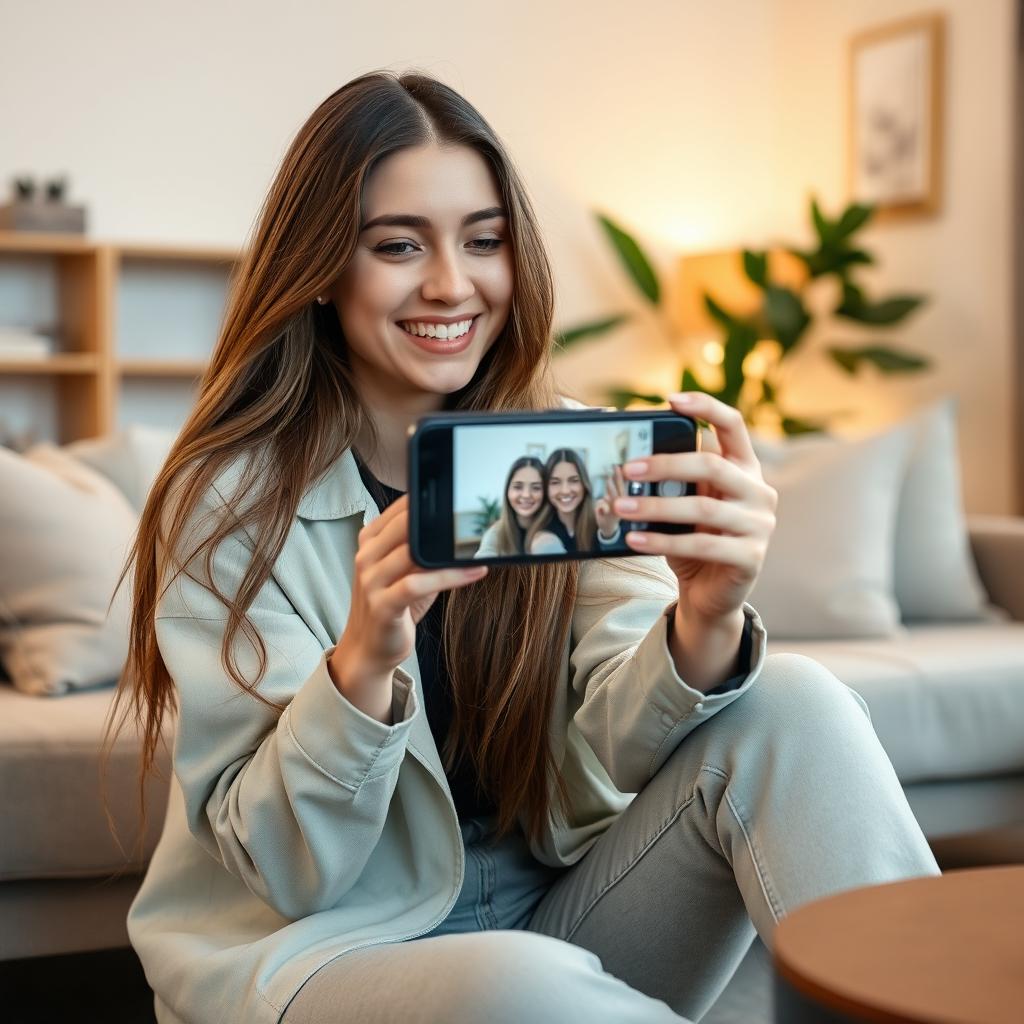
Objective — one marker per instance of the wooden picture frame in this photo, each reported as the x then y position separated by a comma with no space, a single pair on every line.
895,100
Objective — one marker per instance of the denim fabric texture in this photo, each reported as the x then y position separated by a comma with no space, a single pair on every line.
783,797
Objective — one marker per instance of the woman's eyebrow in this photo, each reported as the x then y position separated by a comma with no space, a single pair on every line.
410,220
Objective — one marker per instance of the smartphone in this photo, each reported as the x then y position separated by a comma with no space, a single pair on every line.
493,488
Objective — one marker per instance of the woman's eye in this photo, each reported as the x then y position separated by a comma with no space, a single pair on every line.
488,244
393,248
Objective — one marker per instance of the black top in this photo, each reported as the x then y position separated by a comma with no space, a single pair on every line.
557,527
437,684
437,689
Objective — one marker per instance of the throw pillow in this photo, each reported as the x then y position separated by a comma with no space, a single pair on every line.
934,575
828,570
65,531
130,458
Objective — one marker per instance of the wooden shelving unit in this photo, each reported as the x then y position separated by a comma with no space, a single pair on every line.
135,325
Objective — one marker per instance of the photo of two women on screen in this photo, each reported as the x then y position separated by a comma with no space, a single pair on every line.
542,490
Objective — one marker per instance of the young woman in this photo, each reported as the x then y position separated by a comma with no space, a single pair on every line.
524,499
577,796
572,521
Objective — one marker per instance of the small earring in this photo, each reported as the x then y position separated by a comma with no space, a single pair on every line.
321,300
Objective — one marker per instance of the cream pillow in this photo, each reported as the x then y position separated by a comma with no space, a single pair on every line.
65,531
934,575
130,458
828,572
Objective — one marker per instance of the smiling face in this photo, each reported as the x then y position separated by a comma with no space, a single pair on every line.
433,257
525,492
565,488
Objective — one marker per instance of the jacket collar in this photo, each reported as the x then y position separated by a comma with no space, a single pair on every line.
338,493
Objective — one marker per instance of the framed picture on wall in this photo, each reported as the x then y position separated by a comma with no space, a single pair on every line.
895,116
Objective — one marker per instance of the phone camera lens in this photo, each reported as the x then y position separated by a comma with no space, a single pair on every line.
635,487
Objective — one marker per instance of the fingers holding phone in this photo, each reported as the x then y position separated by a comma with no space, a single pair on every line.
732,510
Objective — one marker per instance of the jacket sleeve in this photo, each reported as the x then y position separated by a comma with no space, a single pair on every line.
292,803
631,706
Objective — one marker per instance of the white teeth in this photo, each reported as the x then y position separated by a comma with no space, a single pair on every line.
445,331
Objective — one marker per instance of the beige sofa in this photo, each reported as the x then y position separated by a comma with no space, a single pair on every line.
946,699
947,702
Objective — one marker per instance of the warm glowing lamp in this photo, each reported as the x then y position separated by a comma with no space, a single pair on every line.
721,275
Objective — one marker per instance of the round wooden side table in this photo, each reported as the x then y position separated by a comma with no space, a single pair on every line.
940,950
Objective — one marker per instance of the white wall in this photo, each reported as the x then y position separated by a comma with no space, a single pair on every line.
698,125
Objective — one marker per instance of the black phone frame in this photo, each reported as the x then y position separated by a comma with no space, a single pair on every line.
424,488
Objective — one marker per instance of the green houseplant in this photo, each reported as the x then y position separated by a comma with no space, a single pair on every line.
782,316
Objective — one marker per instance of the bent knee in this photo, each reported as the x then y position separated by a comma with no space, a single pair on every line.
803,687
513,976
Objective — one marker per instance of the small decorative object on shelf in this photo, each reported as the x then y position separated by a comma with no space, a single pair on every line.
28,211
23,343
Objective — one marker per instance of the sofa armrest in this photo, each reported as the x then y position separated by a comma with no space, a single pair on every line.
997,542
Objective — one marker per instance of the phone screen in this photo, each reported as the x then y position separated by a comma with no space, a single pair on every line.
540,488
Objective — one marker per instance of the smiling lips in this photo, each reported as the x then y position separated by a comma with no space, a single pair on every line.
439,338
429,329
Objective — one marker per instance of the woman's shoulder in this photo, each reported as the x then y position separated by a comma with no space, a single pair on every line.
546,543
572,403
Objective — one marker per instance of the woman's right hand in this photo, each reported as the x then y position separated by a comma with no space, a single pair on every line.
390,594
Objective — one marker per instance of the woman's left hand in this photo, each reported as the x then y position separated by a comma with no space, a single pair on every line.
733,513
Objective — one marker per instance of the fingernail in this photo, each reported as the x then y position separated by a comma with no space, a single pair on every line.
626,505
683,397
634,468
636,538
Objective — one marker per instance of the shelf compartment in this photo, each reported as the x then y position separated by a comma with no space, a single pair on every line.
183,368
68,363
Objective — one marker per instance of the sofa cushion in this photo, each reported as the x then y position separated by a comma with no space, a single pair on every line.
130,458
64,533
934,577
947,701
828,569
52,820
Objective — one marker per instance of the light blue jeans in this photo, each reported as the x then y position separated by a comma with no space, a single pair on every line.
783,797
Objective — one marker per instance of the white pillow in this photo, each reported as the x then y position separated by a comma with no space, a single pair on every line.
65,531
934,575
131,458
828,570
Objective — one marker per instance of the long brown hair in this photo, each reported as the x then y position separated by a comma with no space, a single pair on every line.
508,530
279,393
585,529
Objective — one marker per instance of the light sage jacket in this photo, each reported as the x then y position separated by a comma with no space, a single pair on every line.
292,838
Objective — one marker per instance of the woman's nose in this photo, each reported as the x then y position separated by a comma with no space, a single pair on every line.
447,281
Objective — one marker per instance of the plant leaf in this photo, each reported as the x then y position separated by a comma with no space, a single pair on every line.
821,223
741,339
689,382
854,217
786,314
568,337
755,265
888,311
621,397
633,259
887,359
794,425
716,311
